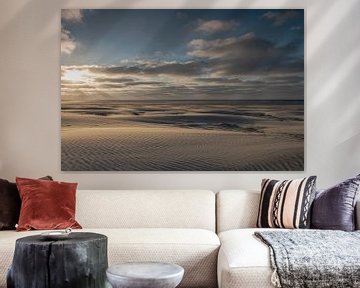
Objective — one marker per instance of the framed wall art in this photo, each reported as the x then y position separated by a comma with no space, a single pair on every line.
182,90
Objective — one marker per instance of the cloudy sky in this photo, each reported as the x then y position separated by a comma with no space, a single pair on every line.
203,54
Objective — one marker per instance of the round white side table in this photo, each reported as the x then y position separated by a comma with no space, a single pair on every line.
145,275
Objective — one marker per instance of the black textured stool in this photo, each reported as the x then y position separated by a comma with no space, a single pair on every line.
78,261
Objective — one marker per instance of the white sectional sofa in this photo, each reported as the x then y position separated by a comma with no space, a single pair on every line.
177,226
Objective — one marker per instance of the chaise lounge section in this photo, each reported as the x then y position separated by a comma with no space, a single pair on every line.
244,260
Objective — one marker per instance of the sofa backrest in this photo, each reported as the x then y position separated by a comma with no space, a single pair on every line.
146,209
239,209
236,209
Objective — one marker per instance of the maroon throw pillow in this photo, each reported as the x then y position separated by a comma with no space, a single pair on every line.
46,204
10,204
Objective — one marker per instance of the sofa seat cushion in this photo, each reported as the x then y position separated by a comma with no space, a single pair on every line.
244,261
194,249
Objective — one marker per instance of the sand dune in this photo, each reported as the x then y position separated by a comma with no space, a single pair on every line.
160,149
181,137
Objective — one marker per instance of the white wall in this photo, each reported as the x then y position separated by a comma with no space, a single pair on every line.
30,94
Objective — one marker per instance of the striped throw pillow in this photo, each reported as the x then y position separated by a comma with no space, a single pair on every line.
286,204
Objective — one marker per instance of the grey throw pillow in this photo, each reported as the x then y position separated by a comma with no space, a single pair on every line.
334,208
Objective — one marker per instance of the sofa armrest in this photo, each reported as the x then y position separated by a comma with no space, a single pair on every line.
357,215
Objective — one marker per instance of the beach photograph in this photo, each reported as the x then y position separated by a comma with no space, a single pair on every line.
182,90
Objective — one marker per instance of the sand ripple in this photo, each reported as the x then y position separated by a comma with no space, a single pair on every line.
138,148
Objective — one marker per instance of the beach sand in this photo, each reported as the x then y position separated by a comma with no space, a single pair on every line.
182,139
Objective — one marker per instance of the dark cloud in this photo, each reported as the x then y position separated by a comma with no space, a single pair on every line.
129,84
284,78
185,69
75,85
247,54
216,80
114,80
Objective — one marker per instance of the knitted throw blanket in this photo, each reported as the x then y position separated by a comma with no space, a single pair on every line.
313,258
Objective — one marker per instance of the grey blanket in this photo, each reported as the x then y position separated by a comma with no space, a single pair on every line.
314,258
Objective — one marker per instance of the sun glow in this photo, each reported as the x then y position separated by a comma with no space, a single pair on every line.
76,75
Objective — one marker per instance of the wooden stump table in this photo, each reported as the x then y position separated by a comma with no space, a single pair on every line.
78,261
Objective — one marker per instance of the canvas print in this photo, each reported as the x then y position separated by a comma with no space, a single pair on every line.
182,90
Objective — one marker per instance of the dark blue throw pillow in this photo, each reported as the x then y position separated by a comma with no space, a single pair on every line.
334,208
